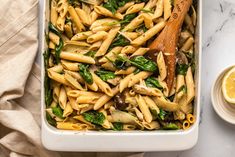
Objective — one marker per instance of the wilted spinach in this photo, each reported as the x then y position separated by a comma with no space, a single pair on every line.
50,120
152,82
90,53
94,117
85,73
105,75
170,126
113,5
47,80
59,47
58,111
119,41
162,114
181,69
144,64
117,126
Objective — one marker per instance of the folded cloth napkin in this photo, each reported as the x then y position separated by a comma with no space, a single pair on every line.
20,84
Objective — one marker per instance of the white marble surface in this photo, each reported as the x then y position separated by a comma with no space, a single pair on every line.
216,137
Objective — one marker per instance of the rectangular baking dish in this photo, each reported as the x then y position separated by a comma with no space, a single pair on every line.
95,141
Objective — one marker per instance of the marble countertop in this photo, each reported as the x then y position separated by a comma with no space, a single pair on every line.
216,137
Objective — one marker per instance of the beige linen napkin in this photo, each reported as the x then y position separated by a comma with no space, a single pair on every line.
20,84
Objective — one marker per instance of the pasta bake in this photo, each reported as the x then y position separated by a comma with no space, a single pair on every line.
109,65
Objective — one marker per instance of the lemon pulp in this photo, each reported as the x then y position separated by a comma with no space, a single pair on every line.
230,85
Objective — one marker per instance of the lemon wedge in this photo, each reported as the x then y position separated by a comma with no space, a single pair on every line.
228,86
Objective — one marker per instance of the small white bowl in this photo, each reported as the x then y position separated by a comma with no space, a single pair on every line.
224,109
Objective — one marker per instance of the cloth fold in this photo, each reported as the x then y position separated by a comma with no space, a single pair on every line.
20,84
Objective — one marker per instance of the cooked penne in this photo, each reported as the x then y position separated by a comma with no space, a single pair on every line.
136,78
161,66
187,44
105,12
165,104
72,66
62,98
58,77
54,14
128,49
77,57
97,36
105,98
126,72
135,8
140,51
144,108
54,38
150,4
85,18
150,33
60,23
125,7
106,43
124,82
68,110
76,19
190,85
148,22
82,35
95,46
102,85
111,55
167,9
73,81
133,24
159,9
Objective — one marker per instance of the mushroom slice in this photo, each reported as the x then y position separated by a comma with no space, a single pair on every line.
141,89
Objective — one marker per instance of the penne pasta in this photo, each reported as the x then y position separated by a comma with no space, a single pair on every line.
106,43
77,57
150,33
76,19
97,36
144,108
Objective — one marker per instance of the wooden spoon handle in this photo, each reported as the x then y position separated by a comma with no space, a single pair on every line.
168,38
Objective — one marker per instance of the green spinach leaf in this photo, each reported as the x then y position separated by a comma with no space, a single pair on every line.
170,126
152,82
50,120
144,64
90,53
113,5
128,18
105,75
47,80
59,47
181,69
147,11
58,111
120,41
117,126
182,88
85,73
94,117
162,114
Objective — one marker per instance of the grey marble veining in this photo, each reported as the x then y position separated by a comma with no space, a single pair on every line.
216,137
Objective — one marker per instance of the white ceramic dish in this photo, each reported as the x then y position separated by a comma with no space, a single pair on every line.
159,140
224,109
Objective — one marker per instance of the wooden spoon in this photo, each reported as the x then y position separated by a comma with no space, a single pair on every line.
168,38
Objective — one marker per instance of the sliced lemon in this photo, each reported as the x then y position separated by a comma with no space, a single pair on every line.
228,86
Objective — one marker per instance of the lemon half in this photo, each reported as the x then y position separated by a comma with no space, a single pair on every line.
228,86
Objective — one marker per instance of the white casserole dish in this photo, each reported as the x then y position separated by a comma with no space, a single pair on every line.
159,140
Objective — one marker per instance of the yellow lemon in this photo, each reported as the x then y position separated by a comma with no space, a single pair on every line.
228,86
